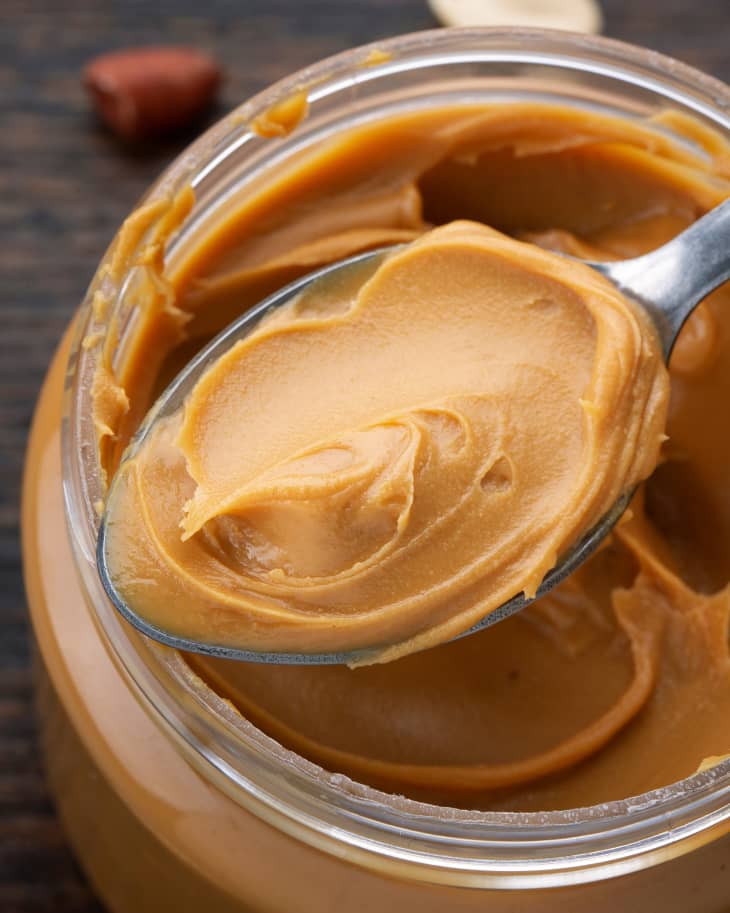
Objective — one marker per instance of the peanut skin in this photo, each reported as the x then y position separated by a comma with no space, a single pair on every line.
151,91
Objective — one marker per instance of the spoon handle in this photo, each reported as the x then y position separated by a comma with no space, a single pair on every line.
671,281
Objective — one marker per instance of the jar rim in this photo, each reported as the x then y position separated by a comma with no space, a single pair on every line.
403,838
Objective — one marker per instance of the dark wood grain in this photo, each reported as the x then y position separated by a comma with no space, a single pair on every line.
65,185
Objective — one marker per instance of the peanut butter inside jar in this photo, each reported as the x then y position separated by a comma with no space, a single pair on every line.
617,682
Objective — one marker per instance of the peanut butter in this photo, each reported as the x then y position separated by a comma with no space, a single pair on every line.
619,681
381,466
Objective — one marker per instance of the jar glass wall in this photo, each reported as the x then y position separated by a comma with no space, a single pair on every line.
173,767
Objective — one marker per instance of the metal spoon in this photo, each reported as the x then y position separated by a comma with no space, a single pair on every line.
669,283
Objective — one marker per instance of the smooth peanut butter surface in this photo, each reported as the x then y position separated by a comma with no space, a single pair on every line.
617,682
382,464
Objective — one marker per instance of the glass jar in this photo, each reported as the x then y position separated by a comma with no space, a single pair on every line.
170,800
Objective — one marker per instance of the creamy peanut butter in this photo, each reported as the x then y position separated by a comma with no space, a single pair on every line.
381,466
619,681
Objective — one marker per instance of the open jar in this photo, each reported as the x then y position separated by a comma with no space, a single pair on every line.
171,799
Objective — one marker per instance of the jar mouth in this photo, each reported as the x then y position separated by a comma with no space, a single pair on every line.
398,836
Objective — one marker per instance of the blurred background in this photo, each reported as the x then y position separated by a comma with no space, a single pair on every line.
66,183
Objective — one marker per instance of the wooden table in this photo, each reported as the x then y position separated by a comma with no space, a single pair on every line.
65,186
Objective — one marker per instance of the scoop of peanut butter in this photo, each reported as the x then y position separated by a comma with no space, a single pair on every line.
381,466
